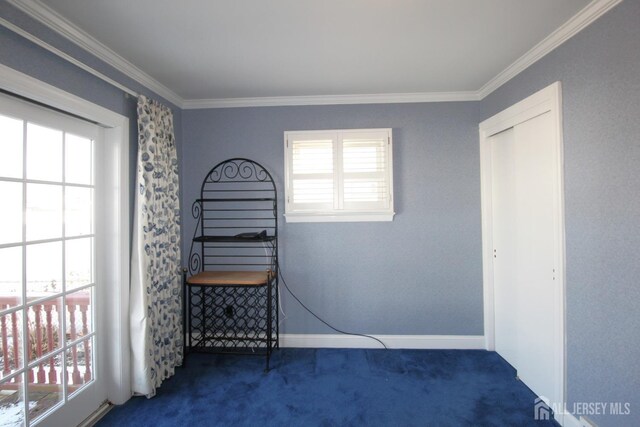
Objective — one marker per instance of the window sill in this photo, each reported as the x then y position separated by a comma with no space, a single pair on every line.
339,217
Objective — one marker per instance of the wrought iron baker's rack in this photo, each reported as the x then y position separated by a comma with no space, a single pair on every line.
231,284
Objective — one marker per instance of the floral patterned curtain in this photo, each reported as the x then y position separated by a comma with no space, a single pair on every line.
155,300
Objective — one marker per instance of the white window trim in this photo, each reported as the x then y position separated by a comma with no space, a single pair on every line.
338,214
115,158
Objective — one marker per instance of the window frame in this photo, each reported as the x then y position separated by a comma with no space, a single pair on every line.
338,213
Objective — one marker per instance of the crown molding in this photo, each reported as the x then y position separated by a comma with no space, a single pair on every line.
42,13
383,98
33,39
59,24
577,23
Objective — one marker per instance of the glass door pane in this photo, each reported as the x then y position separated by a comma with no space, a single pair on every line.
11,147
11,212
44,211
44,153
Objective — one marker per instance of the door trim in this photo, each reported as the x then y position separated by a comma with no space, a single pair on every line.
547,100
116,143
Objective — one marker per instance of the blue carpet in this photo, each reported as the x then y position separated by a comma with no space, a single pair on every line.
338,387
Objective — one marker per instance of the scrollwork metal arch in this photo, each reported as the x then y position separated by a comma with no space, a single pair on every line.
235,168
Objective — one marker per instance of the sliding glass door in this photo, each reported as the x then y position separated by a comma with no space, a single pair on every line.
48,291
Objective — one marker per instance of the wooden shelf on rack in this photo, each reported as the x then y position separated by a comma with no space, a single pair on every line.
230,278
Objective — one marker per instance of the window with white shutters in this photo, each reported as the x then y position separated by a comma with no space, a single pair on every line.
339,175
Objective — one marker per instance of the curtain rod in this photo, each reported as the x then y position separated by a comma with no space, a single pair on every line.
12,27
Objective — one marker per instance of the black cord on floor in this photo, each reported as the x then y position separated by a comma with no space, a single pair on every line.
320,319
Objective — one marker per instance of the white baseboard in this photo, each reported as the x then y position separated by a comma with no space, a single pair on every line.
97,415
423,342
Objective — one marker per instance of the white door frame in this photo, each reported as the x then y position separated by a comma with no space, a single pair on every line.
547,100
115,339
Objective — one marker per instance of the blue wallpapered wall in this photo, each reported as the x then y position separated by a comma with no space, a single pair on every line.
421,273
600,73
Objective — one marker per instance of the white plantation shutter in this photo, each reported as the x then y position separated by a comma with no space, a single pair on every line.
312,172
365,176
341,175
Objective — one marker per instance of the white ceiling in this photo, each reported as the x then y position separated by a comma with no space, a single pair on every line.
282,48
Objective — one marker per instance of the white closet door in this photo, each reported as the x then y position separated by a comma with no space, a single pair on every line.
523,166
503,149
